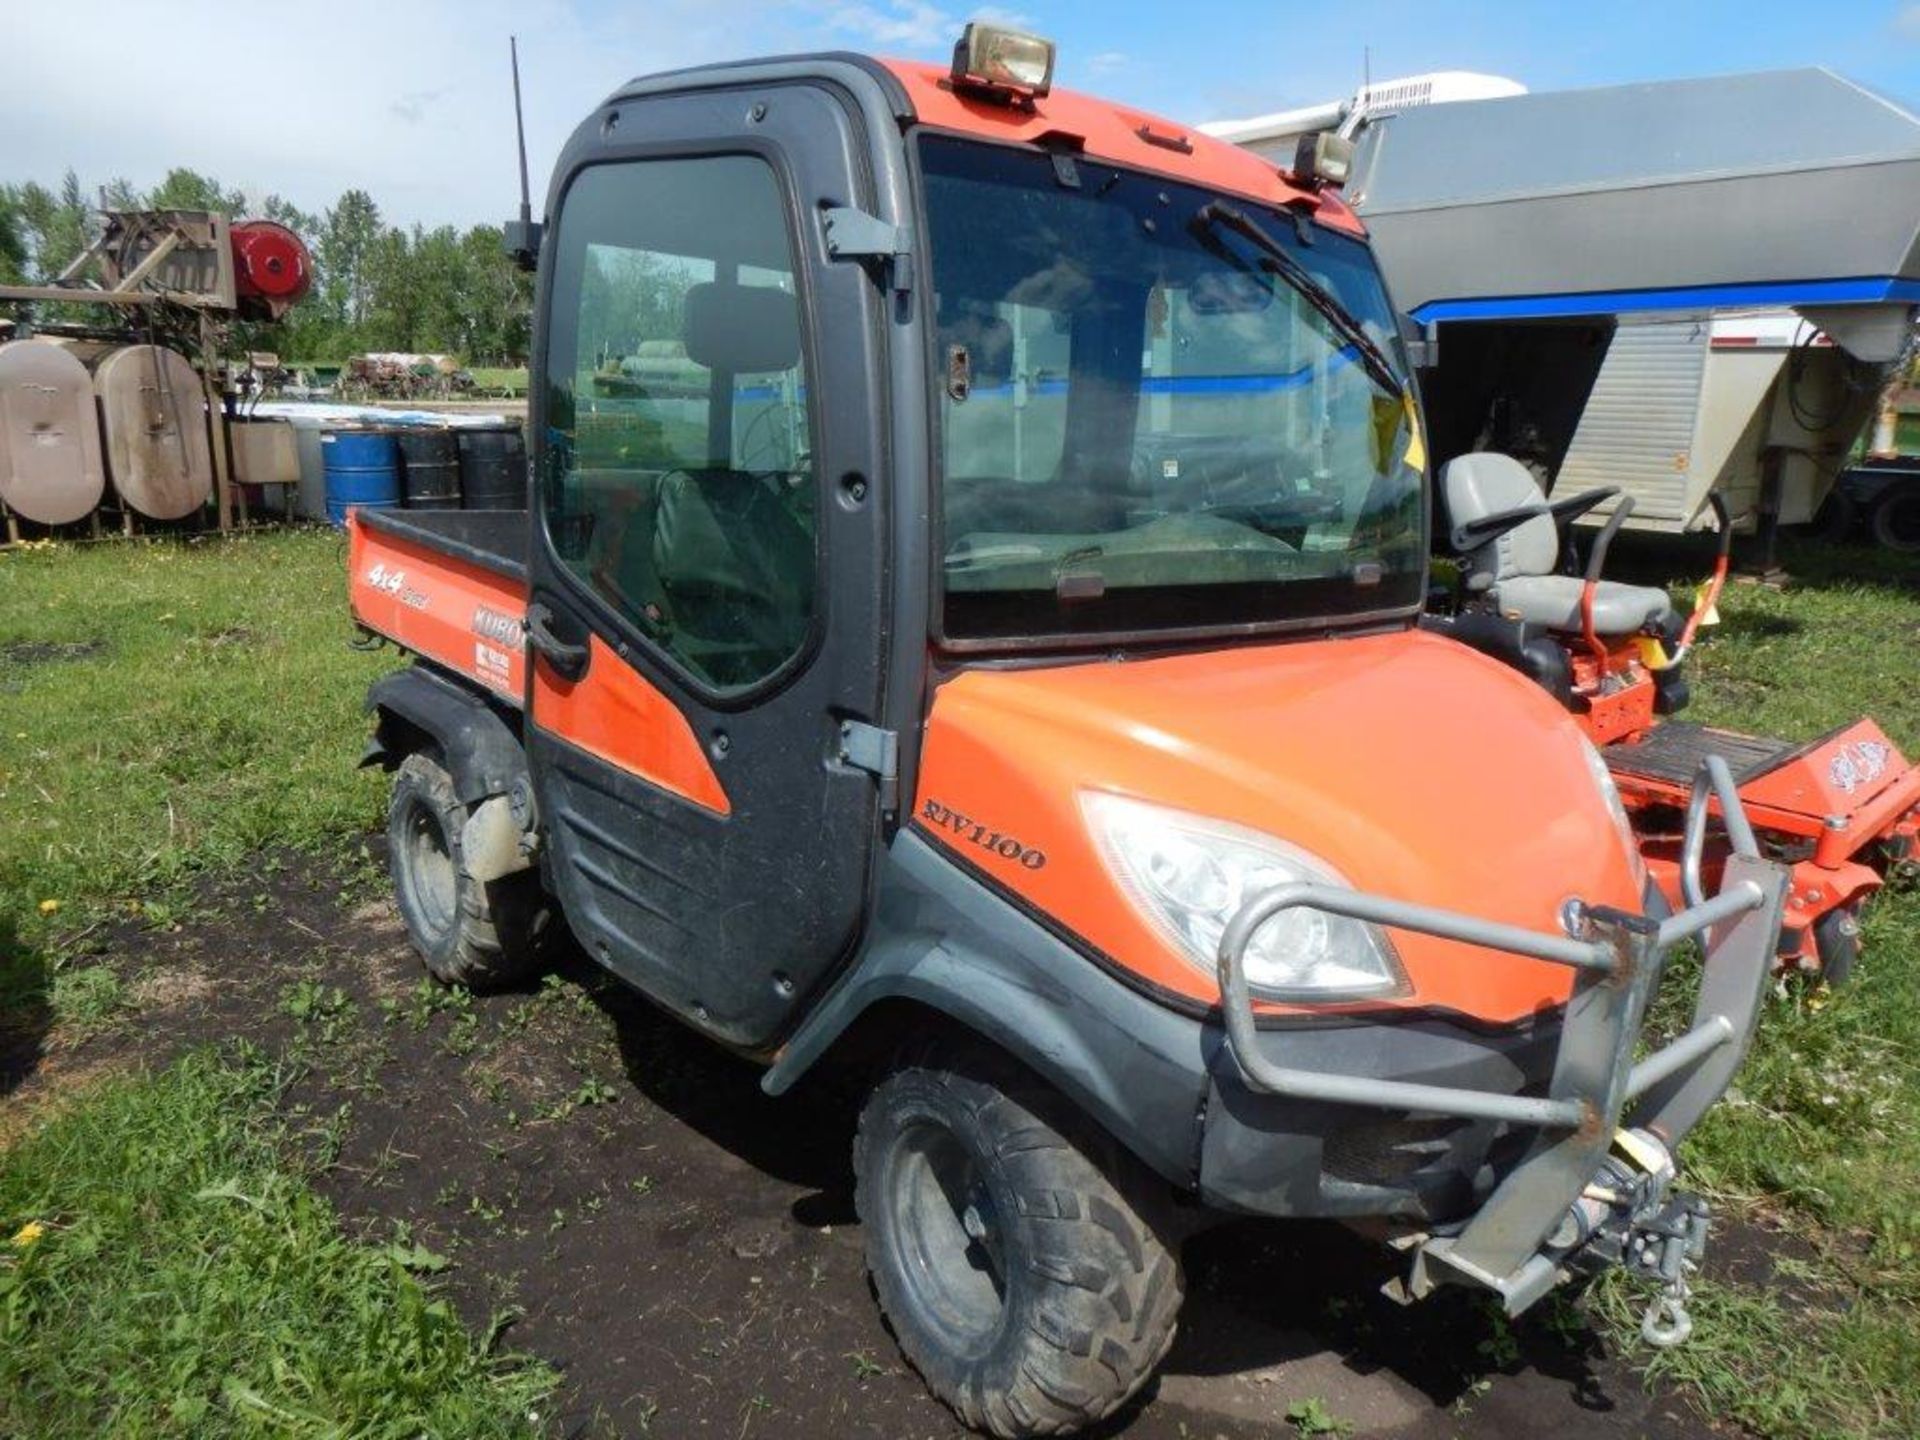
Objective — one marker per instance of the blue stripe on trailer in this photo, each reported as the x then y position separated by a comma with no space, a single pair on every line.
1871,290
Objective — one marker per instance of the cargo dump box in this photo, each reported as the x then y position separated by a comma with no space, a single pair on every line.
449,585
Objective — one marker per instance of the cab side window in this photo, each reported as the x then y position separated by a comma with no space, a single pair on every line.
678,481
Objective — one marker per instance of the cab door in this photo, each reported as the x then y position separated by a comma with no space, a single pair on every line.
707,617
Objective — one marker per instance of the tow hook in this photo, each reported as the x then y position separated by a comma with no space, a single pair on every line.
1666,1246
1666,1322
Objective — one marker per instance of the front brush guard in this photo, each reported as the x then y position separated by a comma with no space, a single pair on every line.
1513,1244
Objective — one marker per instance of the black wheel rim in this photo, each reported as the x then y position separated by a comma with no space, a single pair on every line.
947,1236
427,864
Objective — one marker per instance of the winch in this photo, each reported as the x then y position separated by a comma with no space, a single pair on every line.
1630,1215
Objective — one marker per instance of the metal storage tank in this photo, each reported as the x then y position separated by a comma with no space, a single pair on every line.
155,421
265,452
363,471
51,470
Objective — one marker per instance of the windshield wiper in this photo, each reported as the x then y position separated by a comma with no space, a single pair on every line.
1229,217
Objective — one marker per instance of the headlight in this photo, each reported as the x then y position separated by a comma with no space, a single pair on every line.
1610,793
1188,875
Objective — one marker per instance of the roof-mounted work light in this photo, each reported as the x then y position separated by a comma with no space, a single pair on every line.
999,61
1323,158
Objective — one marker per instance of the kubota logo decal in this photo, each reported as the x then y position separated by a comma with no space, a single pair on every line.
969,829
501,629
1860,763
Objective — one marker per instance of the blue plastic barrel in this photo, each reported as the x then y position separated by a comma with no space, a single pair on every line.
363,469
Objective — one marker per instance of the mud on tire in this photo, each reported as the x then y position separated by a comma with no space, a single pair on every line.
468,932
1016,1252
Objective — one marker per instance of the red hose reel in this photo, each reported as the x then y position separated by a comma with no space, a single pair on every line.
271,267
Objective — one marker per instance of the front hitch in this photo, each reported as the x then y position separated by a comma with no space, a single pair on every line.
1632,1216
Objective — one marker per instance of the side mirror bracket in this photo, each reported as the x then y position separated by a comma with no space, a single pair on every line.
1421,342
521,240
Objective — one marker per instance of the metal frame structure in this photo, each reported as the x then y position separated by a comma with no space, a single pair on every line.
146,258
1511,1244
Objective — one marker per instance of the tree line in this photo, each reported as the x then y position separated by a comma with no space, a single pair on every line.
377,286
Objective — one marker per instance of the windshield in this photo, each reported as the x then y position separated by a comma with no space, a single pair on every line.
1147,425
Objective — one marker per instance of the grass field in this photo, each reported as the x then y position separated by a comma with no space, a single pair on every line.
170,712
1819,1138
500,379
176,1276
167,710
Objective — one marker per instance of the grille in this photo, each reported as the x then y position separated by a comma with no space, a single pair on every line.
1389,1152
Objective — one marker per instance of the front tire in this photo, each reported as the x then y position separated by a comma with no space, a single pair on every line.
473,933
1018,1267
1836,940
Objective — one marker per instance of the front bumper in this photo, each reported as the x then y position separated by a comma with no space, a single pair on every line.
1276,1154
1546,1163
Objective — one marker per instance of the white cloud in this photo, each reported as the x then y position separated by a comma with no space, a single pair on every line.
412,107
1906,21
906,23
999,15
1107,62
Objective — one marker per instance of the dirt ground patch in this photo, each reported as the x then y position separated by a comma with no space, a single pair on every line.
622,1197
49,652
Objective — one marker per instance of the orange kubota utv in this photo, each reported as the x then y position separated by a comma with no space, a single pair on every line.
969,615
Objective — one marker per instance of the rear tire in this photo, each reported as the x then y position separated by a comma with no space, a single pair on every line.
473,933
1896,519
1021,1275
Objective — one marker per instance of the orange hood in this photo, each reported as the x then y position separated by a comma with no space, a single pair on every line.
1415,766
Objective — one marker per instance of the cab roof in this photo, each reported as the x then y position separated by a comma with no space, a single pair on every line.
919,92
1107,131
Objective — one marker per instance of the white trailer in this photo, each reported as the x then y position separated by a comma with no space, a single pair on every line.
1688,404
1680,289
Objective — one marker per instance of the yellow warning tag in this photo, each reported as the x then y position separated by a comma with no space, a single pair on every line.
1416,455
1653,654
1712,617
1643,1152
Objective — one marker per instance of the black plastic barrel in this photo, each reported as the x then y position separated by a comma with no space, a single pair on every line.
362,470
429,470
493,470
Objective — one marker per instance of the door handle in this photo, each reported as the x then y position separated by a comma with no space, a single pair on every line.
568,660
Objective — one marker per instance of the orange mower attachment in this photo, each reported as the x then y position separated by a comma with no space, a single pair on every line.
1841,811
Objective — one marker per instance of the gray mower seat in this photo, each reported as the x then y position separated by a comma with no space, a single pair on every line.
1516,570
1554,601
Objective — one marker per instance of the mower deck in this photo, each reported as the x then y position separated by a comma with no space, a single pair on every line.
1840,810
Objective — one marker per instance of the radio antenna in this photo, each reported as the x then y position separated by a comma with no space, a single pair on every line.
523,239
520,133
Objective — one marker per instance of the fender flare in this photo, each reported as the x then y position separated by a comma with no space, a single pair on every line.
945,941
482,752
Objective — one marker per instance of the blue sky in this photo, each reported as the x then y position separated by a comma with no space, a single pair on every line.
409,100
